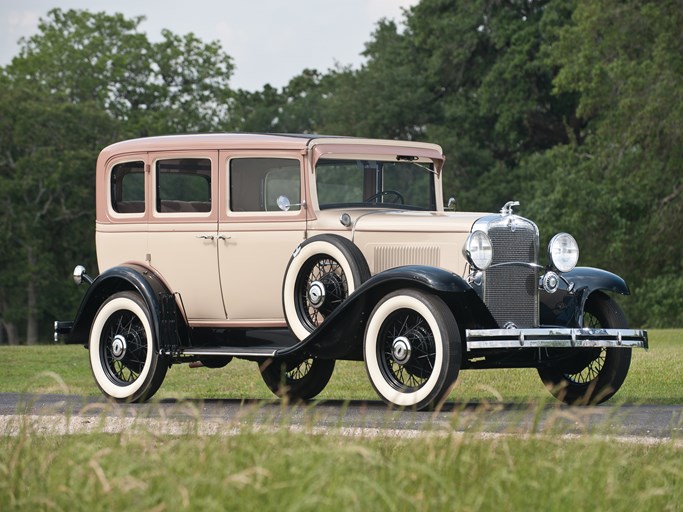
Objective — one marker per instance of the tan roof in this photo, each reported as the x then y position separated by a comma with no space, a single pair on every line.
246,141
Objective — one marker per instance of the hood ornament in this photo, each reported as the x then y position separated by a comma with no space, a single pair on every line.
507,209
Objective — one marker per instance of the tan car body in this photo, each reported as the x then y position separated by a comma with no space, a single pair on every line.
295,251
235,279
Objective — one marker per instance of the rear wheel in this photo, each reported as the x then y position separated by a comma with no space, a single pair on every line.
123,355
592,376
297,379
412,349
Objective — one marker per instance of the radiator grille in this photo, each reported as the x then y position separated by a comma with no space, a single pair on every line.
511,288
390,256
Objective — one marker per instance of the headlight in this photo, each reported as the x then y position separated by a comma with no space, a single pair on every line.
563,252
478,250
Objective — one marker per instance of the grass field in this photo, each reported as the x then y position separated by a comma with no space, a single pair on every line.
282,469
655,377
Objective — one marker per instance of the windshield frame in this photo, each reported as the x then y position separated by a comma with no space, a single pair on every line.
395,182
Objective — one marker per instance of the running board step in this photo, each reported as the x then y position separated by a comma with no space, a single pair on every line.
223,351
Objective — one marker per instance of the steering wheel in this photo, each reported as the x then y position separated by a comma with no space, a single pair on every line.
396,195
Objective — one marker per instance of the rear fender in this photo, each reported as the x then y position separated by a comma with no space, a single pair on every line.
565,306
129,277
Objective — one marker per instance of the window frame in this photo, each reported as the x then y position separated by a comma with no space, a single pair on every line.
228,215
190,216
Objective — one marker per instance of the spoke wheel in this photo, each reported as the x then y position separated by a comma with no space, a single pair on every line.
412,349
123,357
591,376
406,349
320,288
297,379
321,274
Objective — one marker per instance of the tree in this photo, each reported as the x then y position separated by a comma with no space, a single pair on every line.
624,61
84,81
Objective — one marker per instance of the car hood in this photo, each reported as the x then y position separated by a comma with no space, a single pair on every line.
365,220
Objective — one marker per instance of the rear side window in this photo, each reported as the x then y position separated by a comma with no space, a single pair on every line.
183,185
128,187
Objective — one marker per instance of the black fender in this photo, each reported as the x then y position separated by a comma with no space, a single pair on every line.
341,334
127,277
565,306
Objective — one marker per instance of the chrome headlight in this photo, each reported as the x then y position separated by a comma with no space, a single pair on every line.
563,252
478,250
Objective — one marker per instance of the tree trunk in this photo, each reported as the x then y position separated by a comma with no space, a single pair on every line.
31,304
11,332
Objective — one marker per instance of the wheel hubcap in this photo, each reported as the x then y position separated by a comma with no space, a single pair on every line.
118,347
401,350
316,294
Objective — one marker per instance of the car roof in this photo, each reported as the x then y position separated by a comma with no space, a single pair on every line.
245,141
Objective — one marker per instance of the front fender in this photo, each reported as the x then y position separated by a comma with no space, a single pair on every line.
565,307
341,335
129,277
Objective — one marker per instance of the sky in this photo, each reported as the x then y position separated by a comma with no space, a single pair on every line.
270,41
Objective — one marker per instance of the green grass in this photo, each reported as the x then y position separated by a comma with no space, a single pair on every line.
285,469
298,471
656,377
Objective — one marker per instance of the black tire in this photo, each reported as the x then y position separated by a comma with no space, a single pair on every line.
297,380
594,375
123,355
323,271
412,349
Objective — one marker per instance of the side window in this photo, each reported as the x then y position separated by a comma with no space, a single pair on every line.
183,185
256,184
128,187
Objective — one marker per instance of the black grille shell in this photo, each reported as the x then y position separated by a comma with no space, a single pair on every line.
510,285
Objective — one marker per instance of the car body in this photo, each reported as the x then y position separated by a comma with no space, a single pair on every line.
298,250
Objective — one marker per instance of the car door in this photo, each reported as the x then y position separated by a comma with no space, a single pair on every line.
256,236
183,244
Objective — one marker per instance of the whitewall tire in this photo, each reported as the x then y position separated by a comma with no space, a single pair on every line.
123,355
412,349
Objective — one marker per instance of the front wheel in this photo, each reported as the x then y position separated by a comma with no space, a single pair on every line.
123,357
412,349
299,379
591,376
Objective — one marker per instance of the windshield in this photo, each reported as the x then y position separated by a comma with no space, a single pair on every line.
375,183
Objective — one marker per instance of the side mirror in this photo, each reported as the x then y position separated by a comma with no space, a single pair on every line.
451,204
284,204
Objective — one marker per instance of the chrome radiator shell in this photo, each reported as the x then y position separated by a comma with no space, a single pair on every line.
509,287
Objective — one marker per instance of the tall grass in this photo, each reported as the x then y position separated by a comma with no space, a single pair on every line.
284,470
239,467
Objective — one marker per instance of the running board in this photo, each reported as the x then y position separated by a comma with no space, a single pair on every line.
222,351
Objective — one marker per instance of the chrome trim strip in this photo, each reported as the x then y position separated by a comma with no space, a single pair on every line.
555,337
237,352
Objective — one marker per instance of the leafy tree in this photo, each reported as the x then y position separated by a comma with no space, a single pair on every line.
84,81
623,196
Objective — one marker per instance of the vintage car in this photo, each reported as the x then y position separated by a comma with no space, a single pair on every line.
295,251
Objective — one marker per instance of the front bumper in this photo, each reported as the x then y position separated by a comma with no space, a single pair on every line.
555,337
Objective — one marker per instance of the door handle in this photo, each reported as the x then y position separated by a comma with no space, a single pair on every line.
223,237
206,237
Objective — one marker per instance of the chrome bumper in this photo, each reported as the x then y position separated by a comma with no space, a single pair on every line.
555,338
